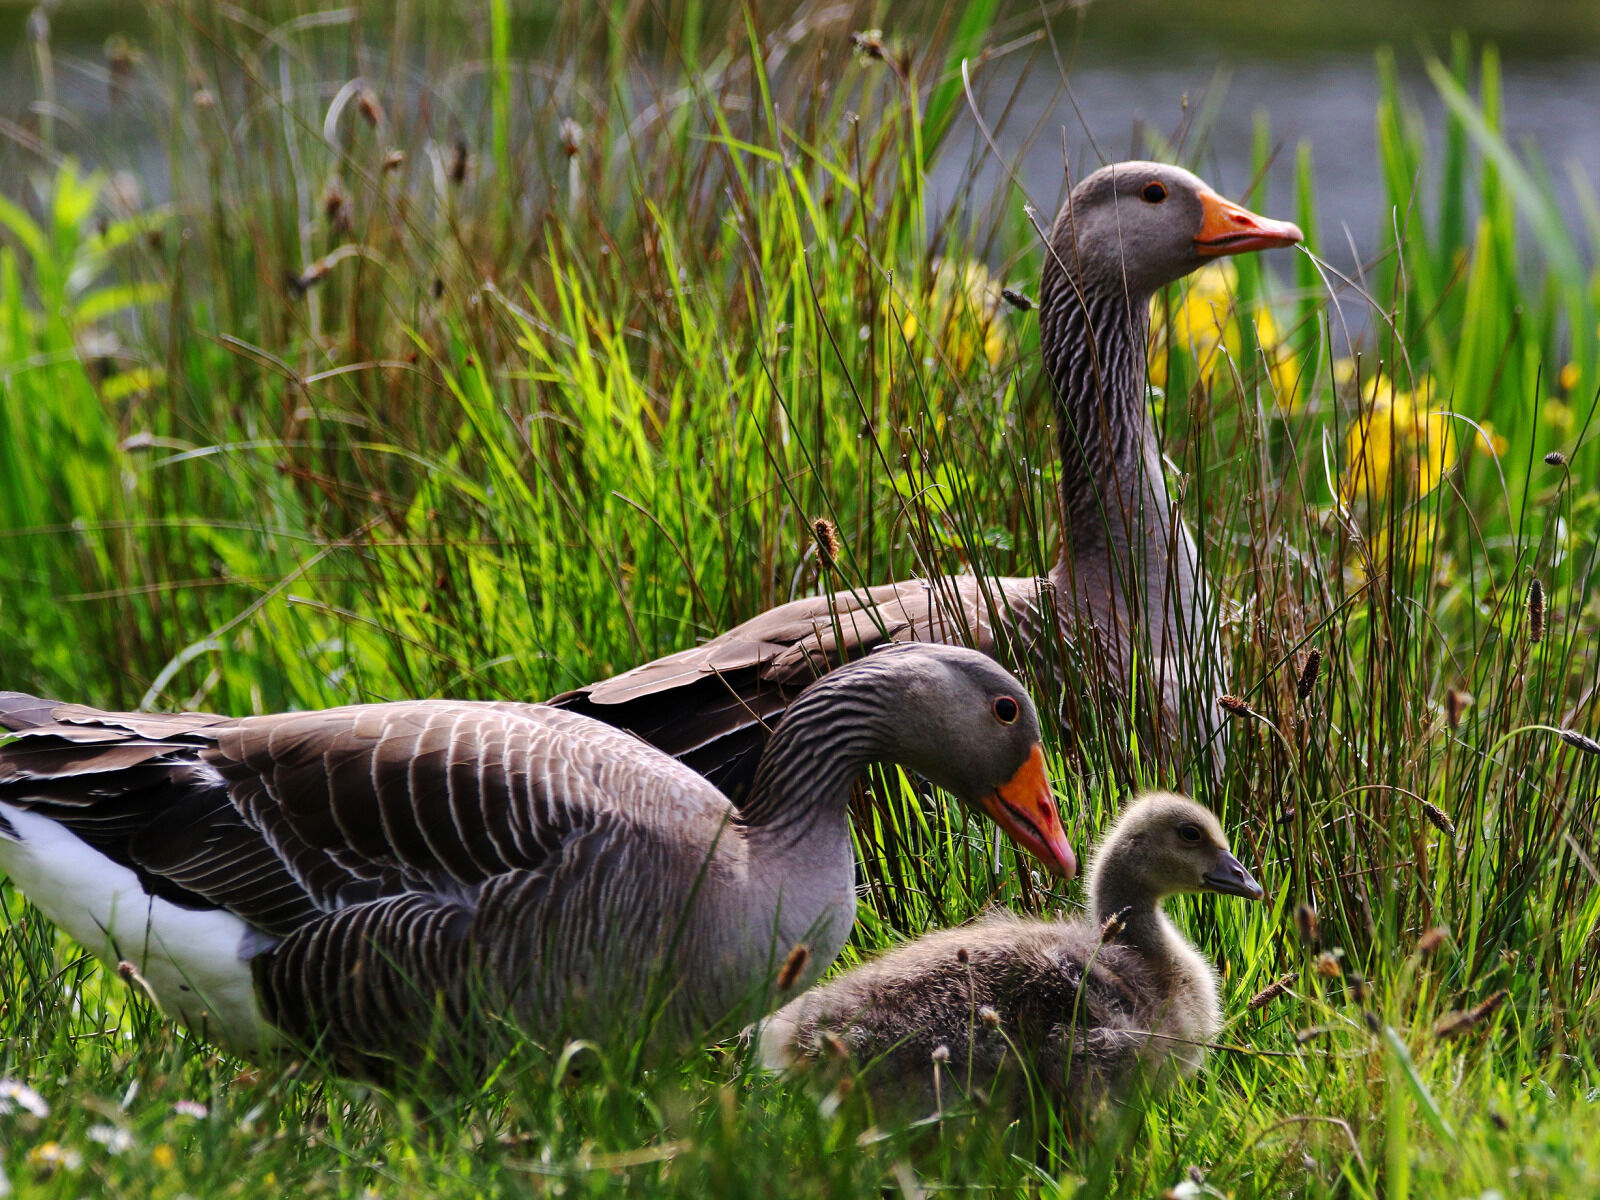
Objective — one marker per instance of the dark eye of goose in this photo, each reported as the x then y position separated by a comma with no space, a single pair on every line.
1189,833
1155,193
1006,710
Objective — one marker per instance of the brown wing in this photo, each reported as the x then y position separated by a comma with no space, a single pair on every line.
712,706
280,818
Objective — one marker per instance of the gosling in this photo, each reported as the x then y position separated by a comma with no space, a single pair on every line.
1091,1005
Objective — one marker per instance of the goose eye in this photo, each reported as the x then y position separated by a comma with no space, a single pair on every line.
1006,710
1155,193
1189,833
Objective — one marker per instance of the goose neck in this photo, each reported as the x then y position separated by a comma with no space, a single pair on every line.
1093,335
827,737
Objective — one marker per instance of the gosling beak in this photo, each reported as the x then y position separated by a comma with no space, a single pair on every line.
1230,878
1229,228
1025,807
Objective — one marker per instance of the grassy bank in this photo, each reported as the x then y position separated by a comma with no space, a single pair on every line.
444,372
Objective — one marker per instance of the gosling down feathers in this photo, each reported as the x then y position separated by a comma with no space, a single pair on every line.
1090,1004
383,878
1127,578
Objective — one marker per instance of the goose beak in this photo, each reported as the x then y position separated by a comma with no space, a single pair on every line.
1229,228
1025,807
1230,878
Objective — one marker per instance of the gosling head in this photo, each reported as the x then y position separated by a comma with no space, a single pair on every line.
967,723
1164,844
1146,224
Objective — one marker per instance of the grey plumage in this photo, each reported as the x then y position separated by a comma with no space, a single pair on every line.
1088,1004
1127,577
382,877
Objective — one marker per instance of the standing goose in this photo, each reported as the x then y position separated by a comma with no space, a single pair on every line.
1127,575
1088,1003
371,877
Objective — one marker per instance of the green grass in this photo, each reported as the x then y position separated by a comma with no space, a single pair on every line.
541,414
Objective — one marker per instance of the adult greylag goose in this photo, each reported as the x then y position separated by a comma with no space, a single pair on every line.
377,877
1127,576
1090,1004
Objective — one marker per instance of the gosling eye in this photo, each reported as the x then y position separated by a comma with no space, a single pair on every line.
1154,193
1006,710
1189,833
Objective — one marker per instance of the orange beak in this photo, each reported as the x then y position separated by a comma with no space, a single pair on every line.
1229,228
1025,807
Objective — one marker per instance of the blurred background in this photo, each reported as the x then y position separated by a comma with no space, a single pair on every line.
1184,79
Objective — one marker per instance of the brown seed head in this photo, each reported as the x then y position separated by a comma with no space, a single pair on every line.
1328,965
394,160
1453,1024
1307,925
1114,925
989,1017
1455,703
1437,818
1431,940
1579,741
1270,993
1309,1034
941,1053
1556,459
1016,299
1308,675
1234,706
1535,612
868,45
367,104
962,956
793,967
1486,1008
826,534
459,156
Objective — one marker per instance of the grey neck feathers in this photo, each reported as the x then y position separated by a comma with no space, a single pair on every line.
1122,552
1143,925
836,728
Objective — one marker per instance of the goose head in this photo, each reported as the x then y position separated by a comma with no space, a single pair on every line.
1142,225
967,724
1165,844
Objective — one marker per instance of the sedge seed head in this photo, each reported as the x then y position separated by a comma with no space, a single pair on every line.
1309,671
793,966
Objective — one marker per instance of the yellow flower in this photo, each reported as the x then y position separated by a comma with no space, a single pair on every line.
1205,323
1397,431
163,1156
1557,415
1568,379
962,304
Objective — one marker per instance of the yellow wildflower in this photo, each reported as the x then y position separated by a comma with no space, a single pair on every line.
963,305
1557,415
1398,431
1568,379
1205,322
163,1156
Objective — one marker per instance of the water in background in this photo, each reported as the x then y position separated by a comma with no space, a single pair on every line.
1131,64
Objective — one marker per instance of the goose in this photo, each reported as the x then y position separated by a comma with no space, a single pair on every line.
1091,1004
374,877
1127,574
